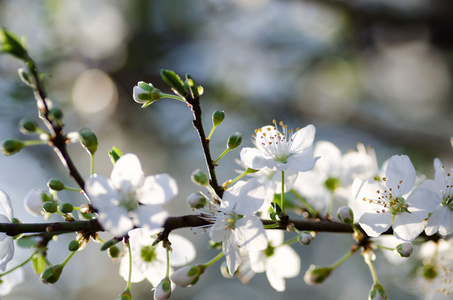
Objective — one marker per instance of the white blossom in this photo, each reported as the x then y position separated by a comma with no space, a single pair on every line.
6,242
128,198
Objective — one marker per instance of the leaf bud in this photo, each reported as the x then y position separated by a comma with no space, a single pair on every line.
404,250
163,289
89,140
11,146
51,274
187,276
66,207
199,177
55,184
25,77
28,126
377,292
197,200
316,275
217,117
73,245
305,237
175,82
50,206
234,141
345,215
9,43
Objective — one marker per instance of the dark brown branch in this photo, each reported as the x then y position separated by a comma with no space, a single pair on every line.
13,229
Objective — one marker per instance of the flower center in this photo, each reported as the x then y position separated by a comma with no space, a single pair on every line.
148,253
129,201
332,183
447,192
275,143
388,200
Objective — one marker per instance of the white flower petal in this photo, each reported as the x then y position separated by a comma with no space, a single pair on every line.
183,250
302,162
254,159
149,216
374,224
437,219
422,202
231,250
400,174
217,231
285,262
101,192
5,205
115,220
158,189
406,227
127,174
6,251
303,138
251,234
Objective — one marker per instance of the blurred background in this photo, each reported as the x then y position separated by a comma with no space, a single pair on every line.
377,72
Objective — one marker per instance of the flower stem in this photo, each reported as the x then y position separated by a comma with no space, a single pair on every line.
20,265
168,261
128,285
372,270
222,155
310,208
92,164
212,131
282,196
248,171
164,95
342,260
213,260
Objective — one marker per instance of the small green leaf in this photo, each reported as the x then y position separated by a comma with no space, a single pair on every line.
115,153
39,264
175,82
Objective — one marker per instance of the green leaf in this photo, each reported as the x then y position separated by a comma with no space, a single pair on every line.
175,82
27,242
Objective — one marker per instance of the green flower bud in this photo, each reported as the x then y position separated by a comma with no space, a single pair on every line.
404,250
145,93
235,140
195,91
316,275
109,244
114,252
11,146
55,114
345,215
197,200
73,245
66,207
50,206
55,184
125,295
217,117
377,293
88,140
28,126
175,82
9,43
200,178
51,274
305,237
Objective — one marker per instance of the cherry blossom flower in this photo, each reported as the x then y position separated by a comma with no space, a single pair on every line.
277,260
6,242
150,262
442,218
236,224
392,202
281,151
128,198
10,280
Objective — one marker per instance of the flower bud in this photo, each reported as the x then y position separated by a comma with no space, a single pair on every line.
73,245
51,274
66,207
125,295
28,126
145,93
345,215
50,206
9,43
377,293
217,117
404,250
234,141
55,114
187,276
224,270
89,140
197,200
114,252
316,275
163,289
305,237
11,146
55,184
198,177
33,202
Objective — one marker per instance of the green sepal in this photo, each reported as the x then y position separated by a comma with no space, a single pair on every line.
175,82
115,153
39,264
